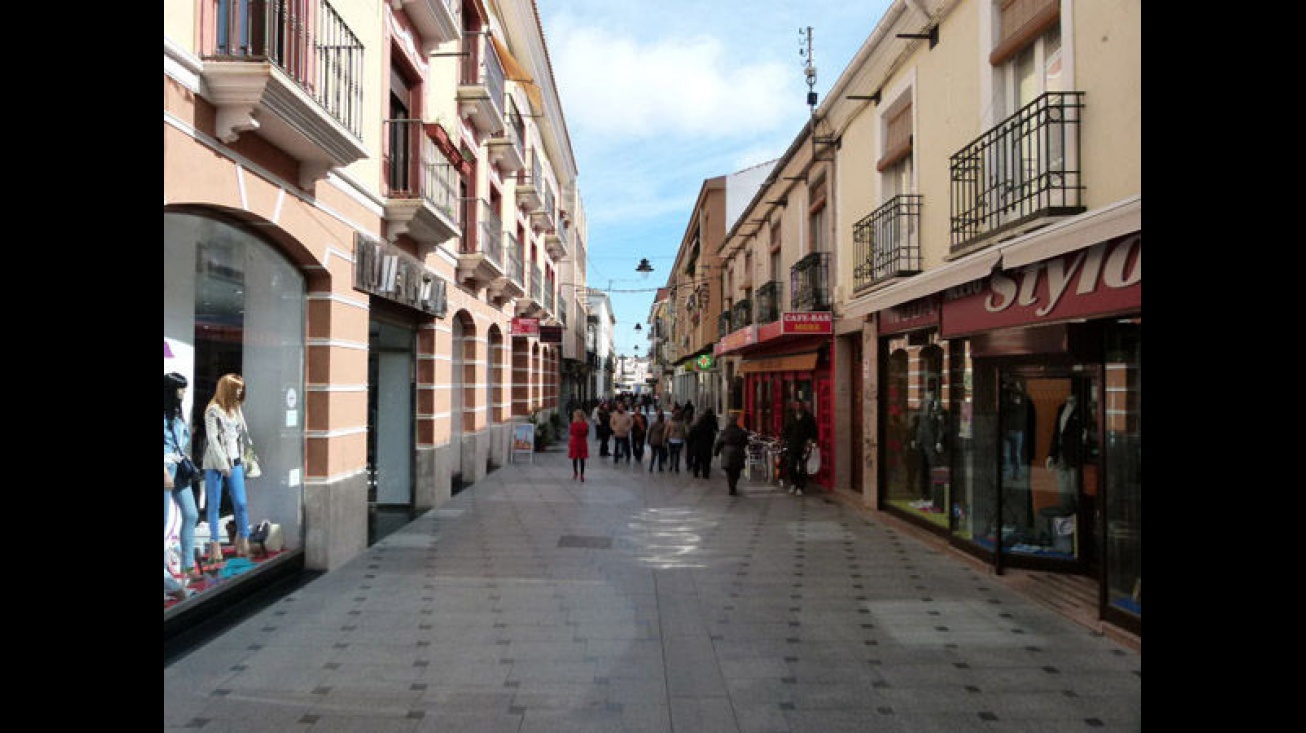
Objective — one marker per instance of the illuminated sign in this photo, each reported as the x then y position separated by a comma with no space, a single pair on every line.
807,322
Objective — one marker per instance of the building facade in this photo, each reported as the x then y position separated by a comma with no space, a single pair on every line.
368,212
956,239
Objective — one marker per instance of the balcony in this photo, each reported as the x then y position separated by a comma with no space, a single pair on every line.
531,303
505,150
421,197
513,282
542,219
293,80
1021,175
741,315
768,296
809,283
480,259
481,85
887,242
555,242
438,21
528,183
723,324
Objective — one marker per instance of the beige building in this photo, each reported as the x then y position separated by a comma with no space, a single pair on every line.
956,244
371,213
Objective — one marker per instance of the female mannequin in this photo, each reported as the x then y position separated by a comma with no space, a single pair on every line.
176,443
224,428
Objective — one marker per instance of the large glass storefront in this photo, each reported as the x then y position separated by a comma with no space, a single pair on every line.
232,304
1022,449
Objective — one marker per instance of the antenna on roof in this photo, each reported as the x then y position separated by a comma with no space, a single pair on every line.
809,68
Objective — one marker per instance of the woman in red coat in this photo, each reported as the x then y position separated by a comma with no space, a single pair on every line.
578,447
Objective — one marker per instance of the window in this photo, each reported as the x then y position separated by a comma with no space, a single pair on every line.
1027,57
817,236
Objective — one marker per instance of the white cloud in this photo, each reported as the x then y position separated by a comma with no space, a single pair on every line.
619,88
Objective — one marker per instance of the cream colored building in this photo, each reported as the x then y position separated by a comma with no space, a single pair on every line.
370,212
969,193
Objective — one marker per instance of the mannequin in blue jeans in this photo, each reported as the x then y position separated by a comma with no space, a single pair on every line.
226,435
176,443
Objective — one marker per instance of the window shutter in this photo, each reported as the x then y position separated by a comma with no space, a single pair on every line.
1021,22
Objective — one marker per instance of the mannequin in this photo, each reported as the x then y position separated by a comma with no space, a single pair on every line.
226,434
1066,455
1017,430
928,439
176,442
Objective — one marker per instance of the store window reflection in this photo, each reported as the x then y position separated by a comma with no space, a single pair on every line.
234,304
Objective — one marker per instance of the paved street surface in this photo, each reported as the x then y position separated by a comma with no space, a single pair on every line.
532,603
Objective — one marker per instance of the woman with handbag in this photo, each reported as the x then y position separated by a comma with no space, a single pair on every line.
179,472
226,442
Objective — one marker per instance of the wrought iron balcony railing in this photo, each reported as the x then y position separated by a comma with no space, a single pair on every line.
309,42
887,242
741,314
516,268
487,237
415,168
548,297
537,284
724,324
482,67
768,296
1025,168
809,283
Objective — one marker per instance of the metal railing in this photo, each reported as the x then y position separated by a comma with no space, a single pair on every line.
415,168
724,324
888,242
741,314
529,175
537,284
548,297
320,53
768,296
482,67
562,310
516,268
809,283
1025,167
487,238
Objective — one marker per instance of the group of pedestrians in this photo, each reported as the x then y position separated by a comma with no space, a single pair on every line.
624,433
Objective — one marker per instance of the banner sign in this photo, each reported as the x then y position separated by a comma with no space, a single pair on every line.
550,334
807,322
525,327
1095,281
523,441
745,336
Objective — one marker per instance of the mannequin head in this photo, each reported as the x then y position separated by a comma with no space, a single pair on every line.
174,389
230,392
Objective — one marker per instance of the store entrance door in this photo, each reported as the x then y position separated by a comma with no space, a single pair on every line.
390,367
1050,465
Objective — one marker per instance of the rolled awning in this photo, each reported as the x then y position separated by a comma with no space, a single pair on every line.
788,363
513,71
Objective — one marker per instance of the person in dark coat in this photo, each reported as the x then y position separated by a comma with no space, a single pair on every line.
732,445
702,436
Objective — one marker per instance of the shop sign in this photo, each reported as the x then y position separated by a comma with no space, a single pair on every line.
525,327
807,322
705,362
745,336
550,334
388,272
1098,280
912,315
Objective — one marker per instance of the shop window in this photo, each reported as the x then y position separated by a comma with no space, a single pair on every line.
232,304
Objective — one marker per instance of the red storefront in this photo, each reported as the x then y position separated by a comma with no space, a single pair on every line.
782,361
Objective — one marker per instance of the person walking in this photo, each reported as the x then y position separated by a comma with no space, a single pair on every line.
799,436
578,447
602,427
657,442
700,441
621,422
675,439
638,432
732,445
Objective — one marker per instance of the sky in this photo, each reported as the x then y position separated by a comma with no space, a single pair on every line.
660,95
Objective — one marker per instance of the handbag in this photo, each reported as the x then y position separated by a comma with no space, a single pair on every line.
250,461
248,458
187,472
